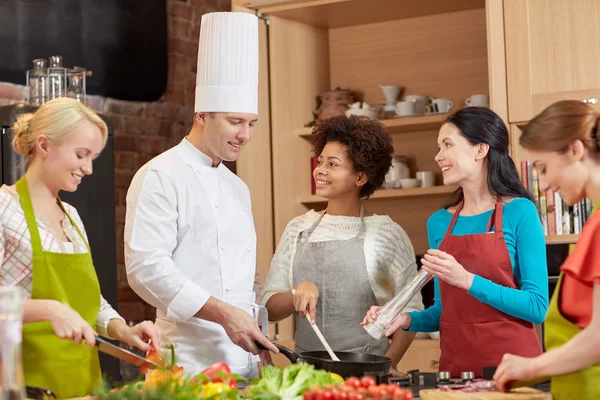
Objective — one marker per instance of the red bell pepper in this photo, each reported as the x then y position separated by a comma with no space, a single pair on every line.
220,372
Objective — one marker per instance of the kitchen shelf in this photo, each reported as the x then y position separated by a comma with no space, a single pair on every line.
398,125
342,13
389,194
561,239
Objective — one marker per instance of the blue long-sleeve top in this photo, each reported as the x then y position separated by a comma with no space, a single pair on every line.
524,236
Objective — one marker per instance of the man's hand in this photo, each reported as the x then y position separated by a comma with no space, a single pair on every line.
243,330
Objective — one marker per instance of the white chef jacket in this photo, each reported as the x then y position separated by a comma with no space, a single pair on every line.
189,235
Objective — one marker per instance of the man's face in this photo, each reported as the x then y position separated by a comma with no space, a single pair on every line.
226,134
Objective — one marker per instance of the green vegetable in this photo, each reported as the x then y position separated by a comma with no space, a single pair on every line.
289,384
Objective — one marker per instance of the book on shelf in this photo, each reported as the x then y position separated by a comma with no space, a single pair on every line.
557,217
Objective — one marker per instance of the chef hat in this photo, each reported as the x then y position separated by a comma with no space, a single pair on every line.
227,77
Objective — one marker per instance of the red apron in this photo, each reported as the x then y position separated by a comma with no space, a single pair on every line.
473,334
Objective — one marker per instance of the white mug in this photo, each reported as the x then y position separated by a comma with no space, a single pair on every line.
420,102
426,177
405,108
478,100
441,105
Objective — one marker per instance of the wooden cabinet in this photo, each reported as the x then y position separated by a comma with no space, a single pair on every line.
423,354
524,53
551,54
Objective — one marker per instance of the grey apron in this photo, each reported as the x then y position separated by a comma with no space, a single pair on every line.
339,270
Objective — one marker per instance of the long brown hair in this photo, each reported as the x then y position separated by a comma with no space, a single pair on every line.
559,125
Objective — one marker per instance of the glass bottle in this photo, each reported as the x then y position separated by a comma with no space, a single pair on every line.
76,84
37,83
11,333
57,78
389,312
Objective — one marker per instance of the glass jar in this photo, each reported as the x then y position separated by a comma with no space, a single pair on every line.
12,385
76,84
37,83
57,78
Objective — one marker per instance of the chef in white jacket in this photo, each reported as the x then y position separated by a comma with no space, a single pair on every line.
190,242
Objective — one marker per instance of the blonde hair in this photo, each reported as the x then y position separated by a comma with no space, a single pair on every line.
55,120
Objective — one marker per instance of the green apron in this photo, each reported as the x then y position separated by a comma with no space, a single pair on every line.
580,385
67,369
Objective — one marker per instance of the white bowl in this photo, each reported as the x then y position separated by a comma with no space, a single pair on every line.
363,112
409,183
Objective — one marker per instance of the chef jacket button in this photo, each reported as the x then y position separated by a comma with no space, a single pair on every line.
216,206
247,250
222,247
245,209
228,290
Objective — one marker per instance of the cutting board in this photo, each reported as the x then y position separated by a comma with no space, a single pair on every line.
524,393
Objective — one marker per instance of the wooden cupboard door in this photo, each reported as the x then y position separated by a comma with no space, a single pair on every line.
423,354
552,54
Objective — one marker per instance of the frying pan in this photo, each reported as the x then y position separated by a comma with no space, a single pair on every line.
350,364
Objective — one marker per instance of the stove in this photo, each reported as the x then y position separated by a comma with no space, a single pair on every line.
417,381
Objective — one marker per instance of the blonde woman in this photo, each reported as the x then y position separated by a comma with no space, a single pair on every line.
44,251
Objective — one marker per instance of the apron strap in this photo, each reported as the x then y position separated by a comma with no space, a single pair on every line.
306,233
25,200
496,218
60,204
455,217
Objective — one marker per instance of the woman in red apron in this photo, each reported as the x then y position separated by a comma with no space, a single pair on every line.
563,143
44,250
487,252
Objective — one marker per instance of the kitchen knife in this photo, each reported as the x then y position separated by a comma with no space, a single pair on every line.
125,355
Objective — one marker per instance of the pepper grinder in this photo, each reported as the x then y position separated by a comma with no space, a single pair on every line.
389,312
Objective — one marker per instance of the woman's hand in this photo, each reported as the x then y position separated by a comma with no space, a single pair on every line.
307,295
514,368
402,321
137,335
446,268
68,324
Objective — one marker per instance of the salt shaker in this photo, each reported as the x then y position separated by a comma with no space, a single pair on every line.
37,83
389,312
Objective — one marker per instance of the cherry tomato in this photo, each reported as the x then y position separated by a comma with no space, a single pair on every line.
362,390
391,388
408,395
353,382
367,381
327,395
319,396
343,396
344,387
307,395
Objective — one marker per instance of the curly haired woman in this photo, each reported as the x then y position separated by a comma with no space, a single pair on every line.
332,265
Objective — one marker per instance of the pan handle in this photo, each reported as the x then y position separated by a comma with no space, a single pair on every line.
289,354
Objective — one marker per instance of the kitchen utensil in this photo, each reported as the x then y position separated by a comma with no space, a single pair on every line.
322,339
387,313
350,364
125,355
